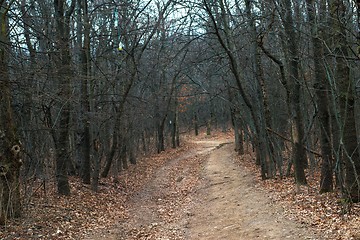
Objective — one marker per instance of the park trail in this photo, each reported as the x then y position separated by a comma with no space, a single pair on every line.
217,201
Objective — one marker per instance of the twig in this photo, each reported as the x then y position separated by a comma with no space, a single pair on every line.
288,140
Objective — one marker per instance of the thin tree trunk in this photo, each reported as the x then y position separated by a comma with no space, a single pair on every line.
144,143
28,109
96,160
173,130
62,18
234,113
239,138
211,120
177,133
118,115
130,143
10,147
337,125
123,155
85,63
110,155
299,154
196,124
132,156
161,124
160,136
262,95
321,89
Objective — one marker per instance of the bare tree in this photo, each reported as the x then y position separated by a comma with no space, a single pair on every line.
346,96
322,89
10,146
299,153
85,101
64,77
135,47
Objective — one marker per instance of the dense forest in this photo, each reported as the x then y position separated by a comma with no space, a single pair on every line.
89,86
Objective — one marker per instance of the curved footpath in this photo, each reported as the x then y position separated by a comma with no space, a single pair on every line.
208,199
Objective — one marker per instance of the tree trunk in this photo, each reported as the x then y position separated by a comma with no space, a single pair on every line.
299,153
208,127
162,121
239,143
235,121
174,130
85,69
160,136
130,62
177,134
196,124
129,141
123,155
144,143
346,102
62,18
210,122
132,156
321,90
96,160
10,147
110,155
261,91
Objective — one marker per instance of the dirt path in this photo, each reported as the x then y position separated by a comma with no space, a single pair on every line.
204,195
161,210
232,208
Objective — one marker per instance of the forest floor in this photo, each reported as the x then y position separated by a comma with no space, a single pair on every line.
202,190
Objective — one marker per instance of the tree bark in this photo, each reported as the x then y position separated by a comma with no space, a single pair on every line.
261,91
160,135
96,157
62,18
85,70
321,90
235,115
299,154
175,129
30,139
196,123
111,154
161,123
10,147
346,102
239,143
